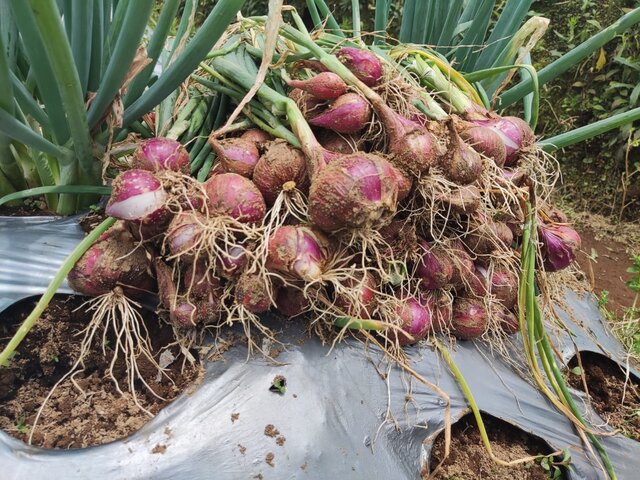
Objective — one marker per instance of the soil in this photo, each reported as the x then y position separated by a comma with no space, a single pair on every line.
469,460
605,260
617,404
90,410
33,209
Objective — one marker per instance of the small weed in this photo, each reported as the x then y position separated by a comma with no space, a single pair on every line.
554,467
21,426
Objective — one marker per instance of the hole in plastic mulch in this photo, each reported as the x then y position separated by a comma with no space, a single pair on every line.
85,409
469,459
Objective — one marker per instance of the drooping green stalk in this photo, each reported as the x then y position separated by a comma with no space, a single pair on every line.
589,131
57,280
535,329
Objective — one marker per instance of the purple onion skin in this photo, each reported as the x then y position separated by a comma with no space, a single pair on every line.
559,246
439,307
415,319
234,195
504,286
252,294
434,268
137,195
414,148
363,64
462,263
469,318
485,141
236,155
232,264
464,165
257,136
298,251
291,302
477,282
515,133
350,113
366,291
113,261
324,85
504,233
156,154
183,233
356,191
507,320
281,163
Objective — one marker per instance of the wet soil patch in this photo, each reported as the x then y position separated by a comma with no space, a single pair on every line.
468,458
89,410
616,400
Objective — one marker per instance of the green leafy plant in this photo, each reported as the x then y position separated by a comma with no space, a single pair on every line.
554,467
79,74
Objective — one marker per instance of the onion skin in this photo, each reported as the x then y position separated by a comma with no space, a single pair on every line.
299,251
337,143
463,200
481,238
236,196
232,264
252,293
137,195
434,268
201,284
291,302
354,192
504,233
504,286
281,163
113,261
415,319
414,148
324,85
366,292
363,64
307,103
439,307
515,133
507,320
183,233
463,165
485,141
348,114
559,245
257,136
156,154
469,318
236,155
476,282
462,263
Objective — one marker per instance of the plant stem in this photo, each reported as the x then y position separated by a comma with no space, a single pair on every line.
57,280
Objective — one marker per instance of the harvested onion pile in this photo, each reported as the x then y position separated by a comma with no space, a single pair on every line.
389,202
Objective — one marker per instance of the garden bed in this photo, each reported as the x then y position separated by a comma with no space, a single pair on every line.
88,410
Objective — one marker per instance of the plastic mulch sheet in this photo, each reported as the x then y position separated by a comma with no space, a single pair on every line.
338,417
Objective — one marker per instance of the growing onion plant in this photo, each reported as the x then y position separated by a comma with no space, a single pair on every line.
78,75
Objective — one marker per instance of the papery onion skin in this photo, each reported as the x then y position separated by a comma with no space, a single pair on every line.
232,264
439,306
364,64
433,268
236,155
137,195
485,141
252,293
504,286
184,233
463,200
159,153
354,192
515,133
257,136
559,246
115,260
350,113
469,318
299,251
236,196
366,292
291,301
506,319
414,318
281,163
413,147
324,85
462,262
